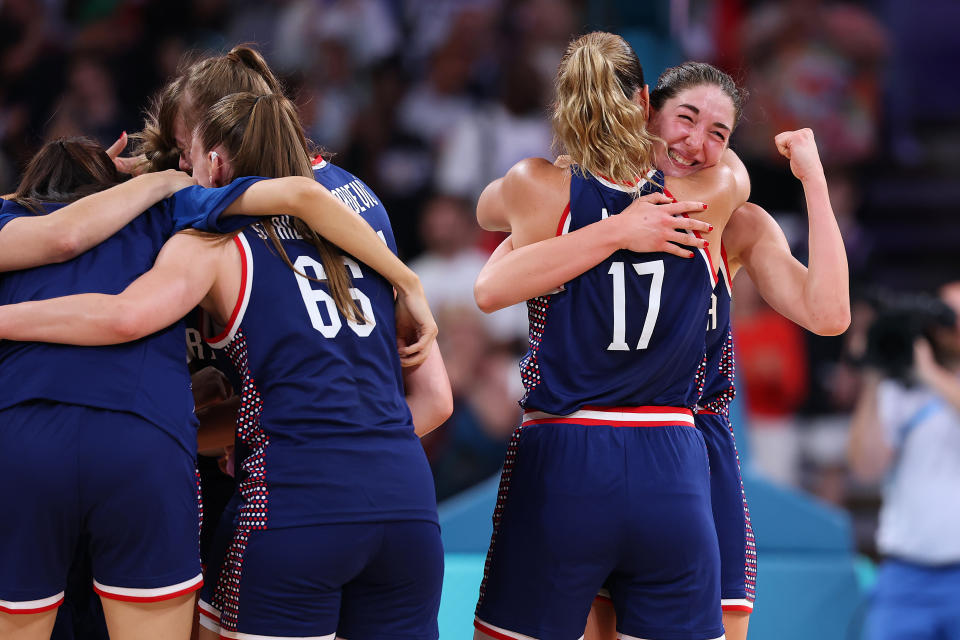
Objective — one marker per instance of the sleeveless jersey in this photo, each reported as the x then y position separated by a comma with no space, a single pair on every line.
325,434
629,332
718,372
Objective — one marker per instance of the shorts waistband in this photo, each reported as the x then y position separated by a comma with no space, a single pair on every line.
617,416
706,412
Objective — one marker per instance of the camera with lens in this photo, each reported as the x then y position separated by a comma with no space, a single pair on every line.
900,320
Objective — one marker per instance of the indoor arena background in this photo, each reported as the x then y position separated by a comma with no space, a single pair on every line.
429,100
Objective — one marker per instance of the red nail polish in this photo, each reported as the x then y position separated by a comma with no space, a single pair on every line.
711,228
706,244
704,206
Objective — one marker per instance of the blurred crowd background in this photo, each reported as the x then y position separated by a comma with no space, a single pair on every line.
429,100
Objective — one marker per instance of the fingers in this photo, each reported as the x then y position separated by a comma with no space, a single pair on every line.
414,354
656,198
669,247
687,238
693,224
685,206
117,147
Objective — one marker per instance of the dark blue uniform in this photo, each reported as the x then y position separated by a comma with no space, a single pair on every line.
738,553
75,423
584,501
336,528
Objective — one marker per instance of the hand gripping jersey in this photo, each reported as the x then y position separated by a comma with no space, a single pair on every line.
628,332
146,377
326,433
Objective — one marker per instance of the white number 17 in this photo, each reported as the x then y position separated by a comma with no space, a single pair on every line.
655,269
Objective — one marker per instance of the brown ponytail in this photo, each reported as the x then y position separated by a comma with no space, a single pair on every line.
595,119
263,137
200,84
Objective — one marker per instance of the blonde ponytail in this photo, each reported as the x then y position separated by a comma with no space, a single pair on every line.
595,120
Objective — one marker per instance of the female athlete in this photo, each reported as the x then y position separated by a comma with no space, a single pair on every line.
337,532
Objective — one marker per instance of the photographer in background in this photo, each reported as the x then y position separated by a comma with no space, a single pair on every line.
905,430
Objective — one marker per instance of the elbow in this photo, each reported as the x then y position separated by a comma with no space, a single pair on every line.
833,323
125,324
484,297
66,246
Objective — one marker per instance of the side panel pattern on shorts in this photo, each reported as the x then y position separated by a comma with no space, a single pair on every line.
502,492
253,514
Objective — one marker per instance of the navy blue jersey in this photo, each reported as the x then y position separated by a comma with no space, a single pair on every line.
327,433
718,373
147,377
629,332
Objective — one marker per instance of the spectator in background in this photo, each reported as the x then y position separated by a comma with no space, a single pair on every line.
451,262
773,366
483,376
90,105
908,434
811,63
491,139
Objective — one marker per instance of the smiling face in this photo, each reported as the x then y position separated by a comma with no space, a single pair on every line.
695,125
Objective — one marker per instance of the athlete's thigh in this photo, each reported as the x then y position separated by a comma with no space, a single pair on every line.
669,583
397,595
140,498
288,582
738,555
41,523
556,530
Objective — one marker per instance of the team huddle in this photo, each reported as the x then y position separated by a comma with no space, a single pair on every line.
620,513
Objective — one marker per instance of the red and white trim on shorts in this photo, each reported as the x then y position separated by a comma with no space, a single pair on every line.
128,594
208,615
26,607
243,299
233,635
617,417
737,604
499,633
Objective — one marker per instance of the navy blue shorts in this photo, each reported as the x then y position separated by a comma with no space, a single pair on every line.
587,504
738,551
369,581
110,478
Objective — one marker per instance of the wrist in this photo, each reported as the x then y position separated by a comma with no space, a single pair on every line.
408,284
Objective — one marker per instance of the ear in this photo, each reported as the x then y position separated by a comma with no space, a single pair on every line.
219,170
645,100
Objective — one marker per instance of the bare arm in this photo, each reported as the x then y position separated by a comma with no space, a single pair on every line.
529,202
514,275
311,202
815,297
31,241
868,453
428,393
181,277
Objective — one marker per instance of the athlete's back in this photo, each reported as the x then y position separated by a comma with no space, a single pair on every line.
628,332
146,377
324,422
